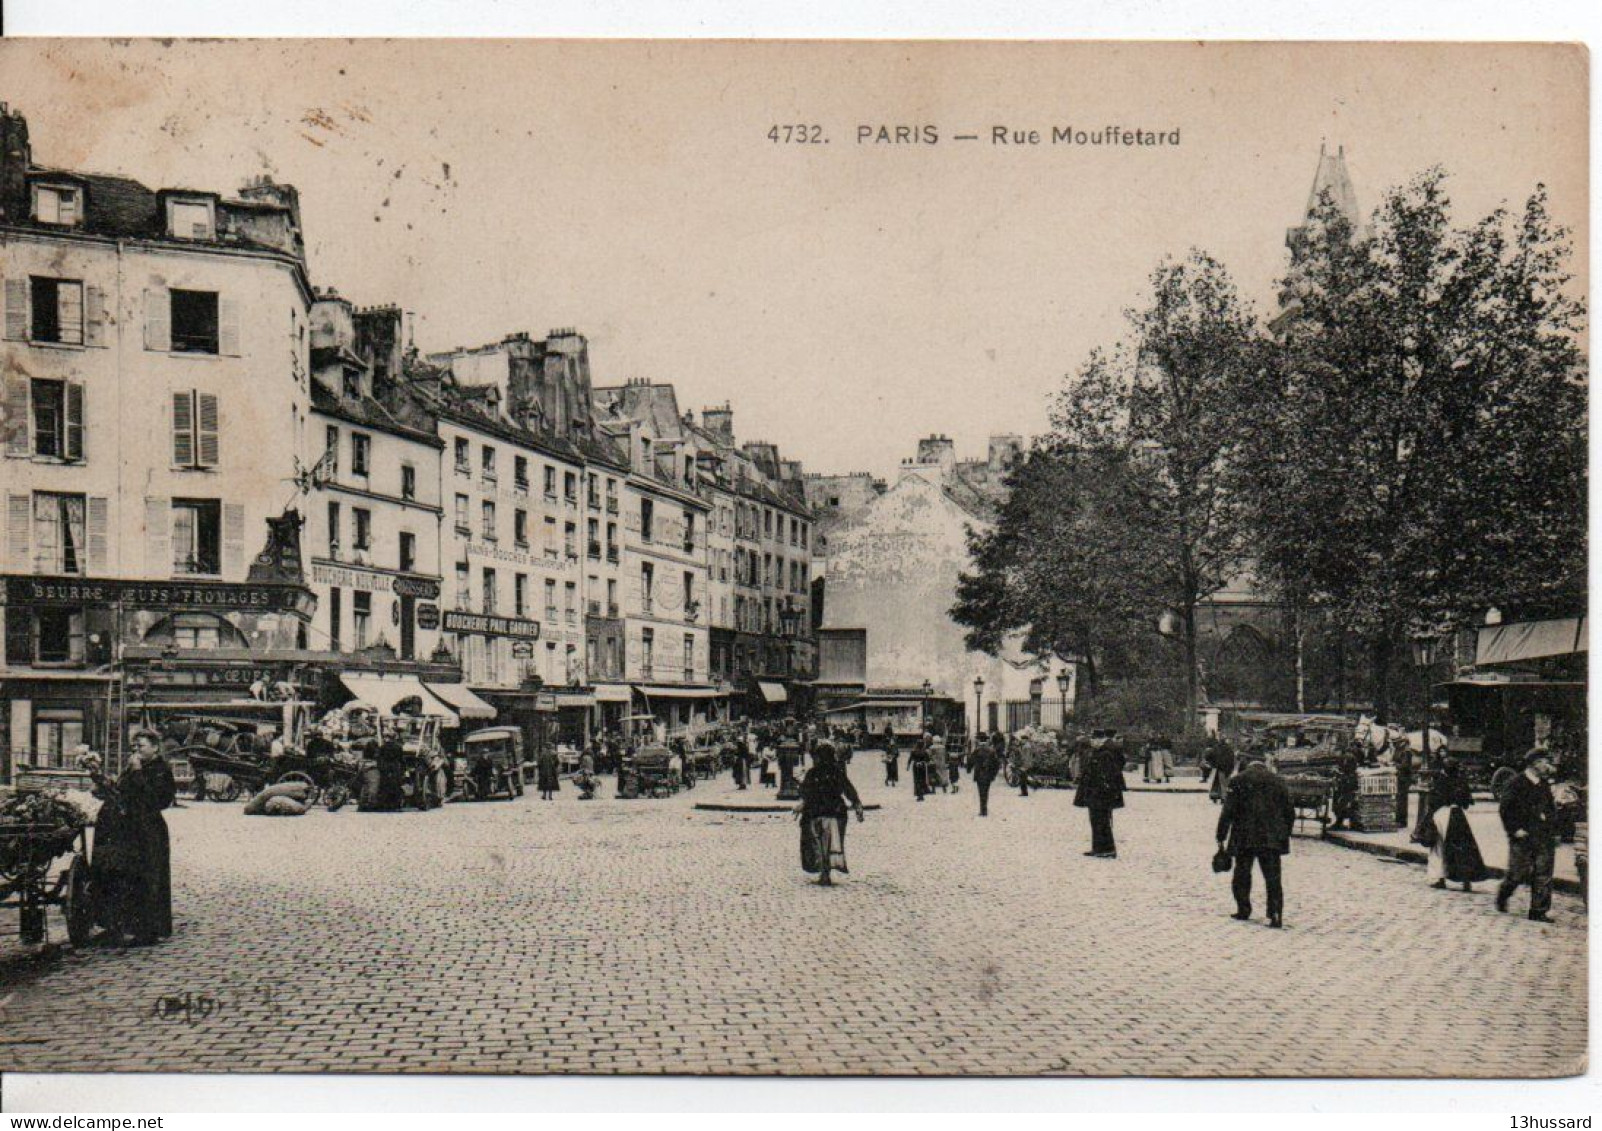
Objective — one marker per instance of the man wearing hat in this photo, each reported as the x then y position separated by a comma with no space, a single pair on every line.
1255,828
1529,814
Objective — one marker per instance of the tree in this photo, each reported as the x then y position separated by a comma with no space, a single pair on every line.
1122,512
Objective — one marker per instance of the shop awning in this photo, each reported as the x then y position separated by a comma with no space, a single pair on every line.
383,692
902,704
653,692
460,696
1531,640
574,699
772,692
614,693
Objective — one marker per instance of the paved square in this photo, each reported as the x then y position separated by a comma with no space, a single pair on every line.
645,936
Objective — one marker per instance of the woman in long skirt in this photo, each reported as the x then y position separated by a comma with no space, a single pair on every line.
892,764
826,792
549,773
1454,854
131,866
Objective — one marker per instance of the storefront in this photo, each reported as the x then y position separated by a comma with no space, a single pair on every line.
678,710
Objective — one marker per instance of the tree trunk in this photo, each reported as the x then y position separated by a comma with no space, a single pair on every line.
1300,630
1192,679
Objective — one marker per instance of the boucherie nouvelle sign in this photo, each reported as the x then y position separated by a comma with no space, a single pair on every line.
483,624
218,595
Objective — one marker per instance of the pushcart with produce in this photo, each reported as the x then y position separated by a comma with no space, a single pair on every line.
1050,762
38,830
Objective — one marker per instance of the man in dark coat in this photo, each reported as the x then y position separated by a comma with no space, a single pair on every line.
986,765
1101,790
1529,814
1255,826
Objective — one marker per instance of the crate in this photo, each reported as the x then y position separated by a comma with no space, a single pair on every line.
1376,782
1377,812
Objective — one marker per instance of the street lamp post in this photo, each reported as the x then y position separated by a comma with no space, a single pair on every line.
1423,658
928,690
978,701
1062,691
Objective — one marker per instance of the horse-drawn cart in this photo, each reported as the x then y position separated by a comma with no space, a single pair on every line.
34,837
1312,795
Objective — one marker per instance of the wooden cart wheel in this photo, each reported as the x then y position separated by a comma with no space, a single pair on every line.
313,792
468,790
336,796
78,905
229,792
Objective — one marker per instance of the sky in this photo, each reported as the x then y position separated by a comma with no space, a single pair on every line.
845,297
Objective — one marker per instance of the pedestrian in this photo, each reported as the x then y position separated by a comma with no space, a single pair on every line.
986,765
918,764
1222,760
1346,789
1159,764
768,781
1101,790
547,772
826,791
1022,755
1454,853
892,763
938,761
1255,827
585,779
1529,814
131,866
742,770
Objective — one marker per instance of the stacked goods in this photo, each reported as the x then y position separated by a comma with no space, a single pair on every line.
1376,800
39,826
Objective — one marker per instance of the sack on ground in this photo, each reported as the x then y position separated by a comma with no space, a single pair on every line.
295,790
282,806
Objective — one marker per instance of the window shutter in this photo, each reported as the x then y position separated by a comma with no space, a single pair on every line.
233,534
75,420
19,518
18,420
228,327
158,319
17,309
97,526
158,538
206,443
183,429
19,653
95,316
47,533
69,312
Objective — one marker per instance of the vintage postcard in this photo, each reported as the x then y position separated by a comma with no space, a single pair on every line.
793,558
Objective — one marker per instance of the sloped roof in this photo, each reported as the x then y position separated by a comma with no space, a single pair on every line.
1331,176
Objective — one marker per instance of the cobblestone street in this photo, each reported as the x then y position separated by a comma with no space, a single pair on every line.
646,936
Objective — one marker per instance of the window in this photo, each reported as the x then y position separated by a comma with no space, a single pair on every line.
520,528
552,550
408,481
353,385
570,602
56,204
570,487
363,519
489,602
487,516
461,515
611,541
57,731
689,593
805,534
647,579
520,594
647,518
190,219
57,419
767,524
58,533
333,530
550,599
197,630
487,462
408,552
195,430
520,473
689,532
611,496
331,450
335,615
362,614
611,596
570,539
464,460
58,636
550,483
593,530
464,597
196,536
57,311
361,451
689,656
194,321
592,493
647,651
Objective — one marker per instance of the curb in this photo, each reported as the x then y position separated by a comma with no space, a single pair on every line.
1419,856
728,807
1191,789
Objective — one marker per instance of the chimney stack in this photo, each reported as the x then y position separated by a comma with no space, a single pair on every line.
15,157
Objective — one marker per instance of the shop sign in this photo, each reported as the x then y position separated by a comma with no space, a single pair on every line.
522,649
545,701
483,624
425,588
428,617
216,595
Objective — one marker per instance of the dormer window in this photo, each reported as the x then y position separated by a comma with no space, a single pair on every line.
57,204
191,220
